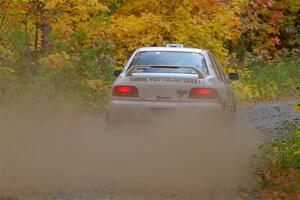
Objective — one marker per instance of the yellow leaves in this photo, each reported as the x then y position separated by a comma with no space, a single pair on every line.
51,4
196,23
137,7
7,73
293,4
56,60
80,7
71,15
7,70
62,29
131,32
244,91
298,131
182,14
252,89
98,84
6,56
95,6
297,108
201,24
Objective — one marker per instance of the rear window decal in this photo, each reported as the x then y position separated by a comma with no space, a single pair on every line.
165,79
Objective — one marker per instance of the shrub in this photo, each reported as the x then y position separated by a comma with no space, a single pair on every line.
269,80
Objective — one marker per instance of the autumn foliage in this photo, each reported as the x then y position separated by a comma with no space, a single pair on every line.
86,39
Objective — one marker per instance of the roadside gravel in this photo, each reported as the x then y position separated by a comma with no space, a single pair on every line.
272,119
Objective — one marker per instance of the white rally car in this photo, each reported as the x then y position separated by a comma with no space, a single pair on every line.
171,78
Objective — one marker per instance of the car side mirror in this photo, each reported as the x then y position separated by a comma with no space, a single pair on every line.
233,76
117,72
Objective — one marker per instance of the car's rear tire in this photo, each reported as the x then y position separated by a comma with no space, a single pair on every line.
229,116
110,122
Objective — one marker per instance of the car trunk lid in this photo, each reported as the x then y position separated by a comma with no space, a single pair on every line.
163,86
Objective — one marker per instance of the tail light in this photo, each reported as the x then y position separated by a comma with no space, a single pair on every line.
125,91
203,93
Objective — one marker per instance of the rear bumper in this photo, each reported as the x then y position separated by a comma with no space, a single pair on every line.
125,104
135,109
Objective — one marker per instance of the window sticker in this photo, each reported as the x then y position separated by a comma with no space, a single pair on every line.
165,79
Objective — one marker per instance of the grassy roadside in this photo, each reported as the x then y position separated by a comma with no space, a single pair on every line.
263,81
277,174
278,167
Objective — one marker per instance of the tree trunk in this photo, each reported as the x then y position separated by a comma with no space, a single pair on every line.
45,38
36,39
28,67
45,28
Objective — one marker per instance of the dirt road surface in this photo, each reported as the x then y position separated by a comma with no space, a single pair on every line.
45,156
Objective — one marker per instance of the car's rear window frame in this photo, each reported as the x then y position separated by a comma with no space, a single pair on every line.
204,59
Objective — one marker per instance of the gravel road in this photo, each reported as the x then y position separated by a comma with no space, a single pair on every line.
272,119
267,119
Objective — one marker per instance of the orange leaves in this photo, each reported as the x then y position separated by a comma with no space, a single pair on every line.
235,35
275,41
265,21
276,16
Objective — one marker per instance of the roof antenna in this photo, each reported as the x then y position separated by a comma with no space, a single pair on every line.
175,45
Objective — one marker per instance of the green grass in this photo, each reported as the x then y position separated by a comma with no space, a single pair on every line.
280,78
278,173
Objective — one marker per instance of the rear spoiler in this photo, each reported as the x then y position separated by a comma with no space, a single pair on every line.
131,70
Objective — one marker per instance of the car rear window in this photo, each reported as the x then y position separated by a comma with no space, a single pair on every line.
169,58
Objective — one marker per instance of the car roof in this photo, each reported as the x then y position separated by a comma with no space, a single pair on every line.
177,49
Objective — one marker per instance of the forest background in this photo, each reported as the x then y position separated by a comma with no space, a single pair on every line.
63,52
58,56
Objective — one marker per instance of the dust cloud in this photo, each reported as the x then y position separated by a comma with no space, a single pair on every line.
44,150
